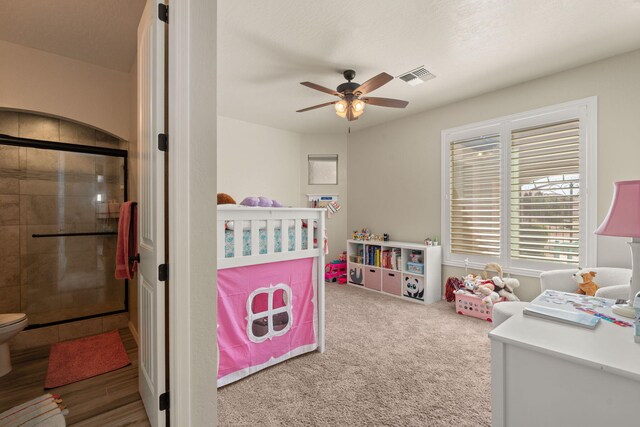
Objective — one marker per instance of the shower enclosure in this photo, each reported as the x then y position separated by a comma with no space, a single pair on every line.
62,201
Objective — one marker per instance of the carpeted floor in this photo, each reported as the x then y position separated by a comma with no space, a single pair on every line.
388,363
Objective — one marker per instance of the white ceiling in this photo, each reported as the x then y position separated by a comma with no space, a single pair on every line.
265,48
101,32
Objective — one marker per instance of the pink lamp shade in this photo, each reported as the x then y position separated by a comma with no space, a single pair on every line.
623,218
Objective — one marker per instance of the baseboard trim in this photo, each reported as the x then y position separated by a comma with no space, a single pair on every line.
134,332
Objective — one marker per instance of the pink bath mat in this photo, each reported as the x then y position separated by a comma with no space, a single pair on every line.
77,360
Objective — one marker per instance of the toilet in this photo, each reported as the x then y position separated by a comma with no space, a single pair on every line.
10,325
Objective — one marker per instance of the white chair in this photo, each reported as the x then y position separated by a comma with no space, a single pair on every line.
613,283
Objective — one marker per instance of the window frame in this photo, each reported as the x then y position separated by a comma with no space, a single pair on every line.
583,109
328,158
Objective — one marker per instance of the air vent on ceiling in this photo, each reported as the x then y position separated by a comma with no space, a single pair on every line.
417,76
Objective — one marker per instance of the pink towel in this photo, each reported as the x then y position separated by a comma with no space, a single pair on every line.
127,241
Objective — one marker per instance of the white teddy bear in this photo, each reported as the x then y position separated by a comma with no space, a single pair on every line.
506,286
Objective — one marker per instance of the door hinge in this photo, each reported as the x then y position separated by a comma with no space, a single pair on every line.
163,12
163,272
164,401
163,142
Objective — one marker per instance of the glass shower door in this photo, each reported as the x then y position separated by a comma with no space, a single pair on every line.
68,217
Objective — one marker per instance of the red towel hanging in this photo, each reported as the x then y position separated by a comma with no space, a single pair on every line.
127,248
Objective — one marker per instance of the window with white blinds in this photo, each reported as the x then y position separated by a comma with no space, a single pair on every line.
545,192
515,190
475,195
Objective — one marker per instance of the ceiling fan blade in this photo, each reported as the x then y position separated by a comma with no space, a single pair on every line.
373,83
321,88
386,102
316,106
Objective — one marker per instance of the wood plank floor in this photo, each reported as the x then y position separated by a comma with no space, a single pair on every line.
111,399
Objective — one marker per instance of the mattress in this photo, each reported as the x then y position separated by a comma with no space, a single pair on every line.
246,241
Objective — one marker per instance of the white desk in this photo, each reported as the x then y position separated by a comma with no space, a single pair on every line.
545,373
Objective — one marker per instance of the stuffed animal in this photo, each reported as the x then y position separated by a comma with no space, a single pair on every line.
505,287
492,266
486,288
510,285
225,199
586,285
470,282
263,202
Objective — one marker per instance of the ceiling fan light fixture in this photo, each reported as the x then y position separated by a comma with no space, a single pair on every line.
358,106
341,108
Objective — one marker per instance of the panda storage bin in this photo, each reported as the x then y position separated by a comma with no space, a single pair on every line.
413,286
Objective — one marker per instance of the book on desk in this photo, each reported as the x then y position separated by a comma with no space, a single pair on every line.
563,316
569,308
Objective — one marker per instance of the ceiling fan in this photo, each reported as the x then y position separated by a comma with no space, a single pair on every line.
352,95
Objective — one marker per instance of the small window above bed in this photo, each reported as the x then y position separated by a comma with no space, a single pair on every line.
269,313
323,169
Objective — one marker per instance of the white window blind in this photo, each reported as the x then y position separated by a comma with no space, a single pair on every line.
520,190
475,195
545,193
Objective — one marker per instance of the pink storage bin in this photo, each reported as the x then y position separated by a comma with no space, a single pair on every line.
472,305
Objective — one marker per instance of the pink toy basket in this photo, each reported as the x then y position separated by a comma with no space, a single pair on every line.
472,305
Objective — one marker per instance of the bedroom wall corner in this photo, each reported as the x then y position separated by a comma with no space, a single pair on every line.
327,144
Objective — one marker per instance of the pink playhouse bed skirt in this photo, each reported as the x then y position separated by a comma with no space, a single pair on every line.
266,314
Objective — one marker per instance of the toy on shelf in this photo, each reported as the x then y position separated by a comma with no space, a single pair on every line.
336,271
431,242
365,234
361,235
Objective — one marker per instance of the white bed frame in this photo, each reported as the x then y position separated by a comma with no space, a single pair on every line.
274,218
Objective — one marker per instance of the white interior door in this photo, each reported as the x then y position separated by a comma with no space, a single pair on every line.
151,226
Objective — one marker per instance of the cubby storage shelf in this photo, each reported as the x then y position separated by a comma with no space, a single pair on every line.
385,268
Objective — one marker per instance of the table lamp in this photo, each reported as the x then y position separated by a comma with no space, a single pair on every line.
623,220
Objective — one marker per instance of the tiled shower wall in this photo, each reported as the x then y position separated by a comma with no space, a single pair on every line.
34,206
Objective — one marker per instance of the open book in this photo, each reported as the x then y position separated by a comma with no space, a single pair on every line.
568,308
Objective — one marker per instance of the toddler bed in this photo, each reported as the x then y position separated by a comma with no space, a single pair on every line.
270,287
